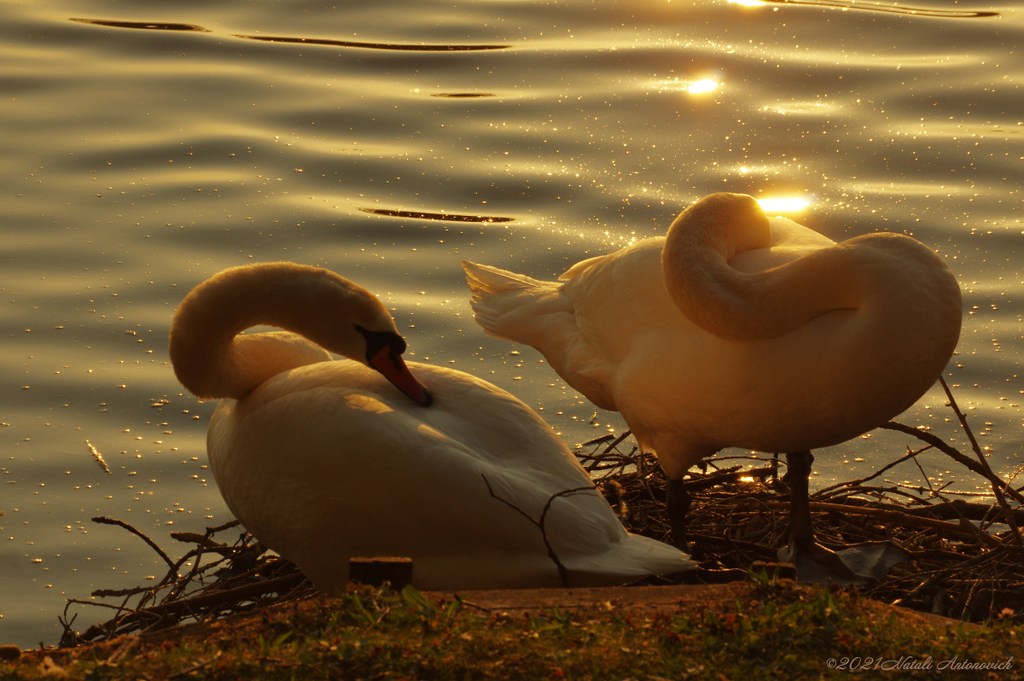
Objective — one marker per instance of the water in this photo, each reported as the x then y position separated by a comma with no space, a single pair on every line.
147,145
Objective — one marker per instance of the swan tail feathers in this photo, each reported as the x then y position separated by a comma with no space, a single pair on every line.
485,279
508,305
540,314
634,558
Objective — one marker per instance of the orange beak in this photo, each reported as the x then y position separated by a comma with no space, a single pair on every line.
391,365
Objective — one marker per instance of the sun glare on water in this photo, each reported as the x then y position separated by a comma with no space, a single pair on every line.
699,87
783,205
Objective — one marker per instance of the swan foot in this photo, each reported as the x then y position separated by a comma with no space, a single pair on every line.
677,505
816,563
859,564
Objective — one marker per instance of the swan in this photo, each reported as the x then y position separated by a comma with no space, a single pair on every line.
368,456
738,330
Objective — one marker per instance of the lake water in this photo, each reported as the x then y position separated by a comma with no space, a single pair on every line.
146,145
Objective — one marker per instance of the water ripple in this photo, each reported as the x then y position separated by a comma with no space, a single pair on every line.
450,217
463,94
143,25
420,47
889,9
374,46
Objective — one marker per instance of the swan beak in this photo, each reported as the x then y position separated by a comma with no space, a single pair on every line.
391,365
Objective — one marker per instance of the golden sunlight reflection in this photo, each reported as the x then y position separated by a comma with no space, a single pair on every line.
692,87
787,204
699,87
746,3
802,107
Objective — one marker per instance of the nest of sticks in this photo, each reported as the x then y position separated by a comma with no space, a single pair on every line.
966,559
220,580
966,554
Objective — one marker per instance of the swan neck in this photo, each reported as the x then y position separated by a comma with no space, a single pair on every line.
746,306
316,308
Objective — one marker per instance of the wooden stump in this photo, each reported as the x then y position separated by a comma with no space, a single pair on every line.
378,570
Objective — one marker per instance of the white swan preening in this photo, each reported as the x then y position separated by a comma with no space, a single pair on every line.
328,460
736,330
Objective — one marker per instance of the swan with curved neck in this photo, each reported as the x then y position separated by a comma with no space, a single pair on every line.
212,360
738,330
327,460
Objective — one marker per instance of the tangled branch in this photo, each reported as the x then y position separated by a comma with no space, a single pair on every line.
539,522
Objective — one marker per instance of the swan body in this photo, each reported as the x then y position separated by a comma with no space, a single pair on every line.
328,460
736,330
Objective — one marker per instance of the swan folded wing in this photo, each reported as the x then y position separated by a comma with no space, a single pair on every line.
496,426
580,267
396,486
617,294
616,298
583,531
580,527
438,500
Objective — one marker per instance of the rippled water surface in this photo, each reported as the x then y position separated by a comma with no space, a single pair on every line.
147,145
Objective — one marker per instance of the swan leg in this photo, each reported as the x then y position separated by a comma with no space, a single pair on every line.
677,505
801,528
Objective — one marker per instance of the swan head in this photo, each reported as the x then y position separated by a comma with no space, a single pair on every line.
212,360
384,354
348,320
